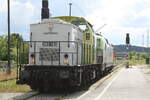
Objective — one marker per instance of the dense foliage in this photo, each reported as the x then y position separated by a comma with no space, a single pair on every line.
3,46
134,56
14,38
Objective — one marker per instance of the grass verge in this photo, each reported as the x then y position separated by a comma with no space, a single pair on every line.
132,62
136,62
11,87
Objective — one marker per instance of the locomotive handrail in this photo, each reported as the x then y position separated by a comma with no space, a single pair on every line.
56,41
85,48
87,55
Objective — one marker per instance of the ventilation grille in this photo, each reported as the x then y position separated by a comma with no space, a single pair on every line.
49,54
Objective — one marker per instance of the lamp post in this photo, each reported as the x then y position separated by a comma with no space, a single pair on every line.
70,4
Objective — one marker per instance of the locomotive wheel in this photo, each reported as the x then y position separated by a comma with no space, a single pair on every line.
84,81
84,86
103,70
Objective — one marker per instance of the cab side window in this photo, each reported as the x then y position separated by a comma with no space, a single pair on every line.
98,42
87,36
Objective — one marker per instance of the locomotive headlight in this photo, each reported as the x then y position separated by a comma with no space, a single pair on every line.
32,58
66,59
50,26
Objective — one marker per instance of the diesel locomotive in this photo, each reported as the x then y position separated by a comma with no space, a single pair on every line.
62,52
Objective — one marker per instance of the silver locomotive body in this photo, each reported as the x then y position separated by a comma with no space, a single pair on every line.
57,43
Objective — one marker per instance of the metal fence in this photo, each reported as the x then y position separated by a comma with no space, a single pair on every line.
4,65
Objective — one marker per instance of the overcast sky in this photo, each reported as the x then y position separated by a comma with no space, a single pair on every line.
120,16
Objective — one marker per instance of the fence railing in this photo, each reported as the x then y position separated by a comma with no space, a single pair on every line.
4,66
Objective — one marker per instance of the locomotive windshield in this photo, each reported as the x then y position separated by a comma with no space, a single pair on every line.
82,25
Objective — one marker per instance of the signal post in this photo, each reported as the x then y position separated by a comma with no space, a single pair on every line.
127,47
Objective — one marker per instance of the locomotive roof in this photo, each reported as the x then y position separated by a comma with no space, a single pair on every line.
71,18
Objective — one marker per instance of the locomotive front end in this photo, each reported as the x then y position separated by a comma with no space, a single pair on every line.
63,52
56,43
54,54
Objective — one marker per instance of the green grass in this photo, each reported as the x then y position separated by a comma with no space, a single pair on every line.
132,62
136,62
148,66
12,87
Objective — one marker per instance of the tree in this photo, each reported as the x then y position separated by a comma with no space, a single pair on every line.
3,50
14,38
143,55
132,55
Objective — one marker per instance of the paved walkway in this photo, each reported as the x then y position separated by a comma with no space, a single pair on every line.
129,85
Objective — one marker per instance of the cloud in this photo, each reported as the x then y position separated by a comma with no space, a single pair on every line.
22,14
121,17
3,5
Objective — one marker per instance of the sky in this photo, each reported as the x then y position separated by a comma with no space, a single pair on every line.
117,16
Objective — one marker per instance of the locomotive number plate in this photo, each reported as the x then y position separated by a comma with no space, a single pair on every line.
49,44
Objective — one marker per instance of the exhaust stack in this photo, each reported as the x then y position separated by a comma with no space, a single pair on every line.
45,10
